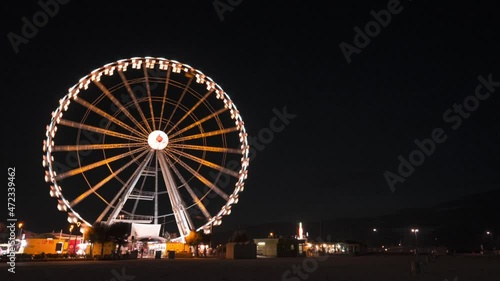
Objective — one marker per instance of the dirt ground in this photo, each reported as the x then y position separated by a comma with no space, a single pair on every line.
338,268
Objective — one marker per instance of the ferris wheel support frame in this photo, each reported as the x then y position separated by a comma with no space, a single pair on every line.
126,194
184,222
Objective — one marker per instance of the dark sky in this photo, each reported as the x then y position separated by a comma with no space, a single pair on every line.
352,120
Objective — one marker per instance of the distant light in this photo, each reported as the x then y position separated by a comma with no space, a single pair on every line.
374,230
301,231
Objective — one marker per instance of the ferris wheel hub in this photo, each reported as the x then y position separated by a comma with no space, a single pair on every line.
158,140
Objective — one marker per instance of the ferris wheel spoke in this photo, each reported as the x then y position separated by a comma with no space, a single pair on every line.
109,117
96,187
83,147
165,90
94,129
200,101
199,177
205,148
134,99
179,101
204,135
97,164
204,119
195,198
206,163
148,90
118,104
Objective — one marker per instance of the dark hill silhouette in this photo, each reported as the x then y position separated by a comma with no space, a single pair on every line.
460,225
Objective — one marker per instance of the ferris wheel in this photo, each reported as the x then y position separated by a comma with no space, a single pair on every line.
146,140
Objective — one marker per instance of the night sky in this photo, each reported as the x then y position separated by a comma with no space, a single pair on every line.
350,113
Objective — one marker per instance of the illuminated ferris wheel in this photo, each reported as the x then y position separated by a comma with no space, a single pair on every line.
146,140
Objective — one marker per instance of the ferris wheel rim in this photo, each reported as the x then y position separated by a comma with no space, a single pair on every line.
163,64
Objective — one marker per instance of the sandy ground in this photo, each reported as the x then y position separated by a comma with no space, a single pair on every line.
344,268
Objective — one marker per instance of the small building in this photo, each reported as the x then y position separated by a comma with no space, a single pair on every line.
240,250
267,247
45,245
35,246
334,248
51,243
280,247
177,247
291,247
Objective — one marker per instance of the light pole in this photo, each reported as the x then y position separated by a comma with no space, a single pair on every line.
490,234
415,230
19,247
69,240
20,225
375,239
